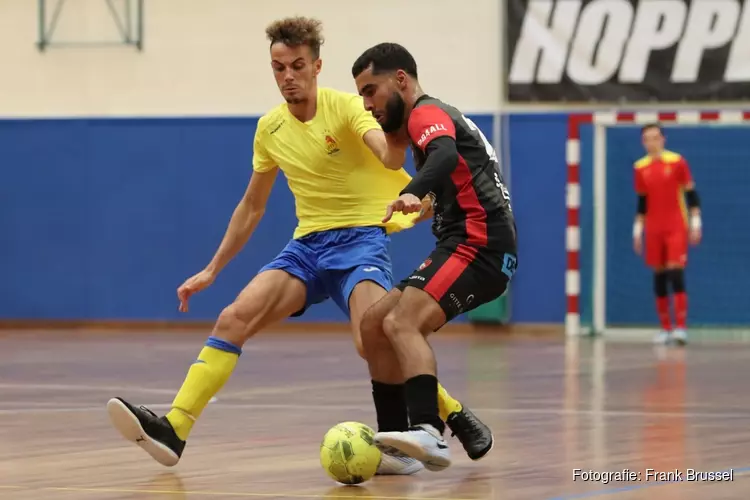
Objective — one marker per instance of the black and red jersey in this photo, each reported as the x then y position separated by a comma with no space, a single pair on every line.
472,204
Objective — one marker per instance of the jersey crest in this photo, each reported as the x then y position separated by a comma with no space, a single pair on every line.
332,147
425,264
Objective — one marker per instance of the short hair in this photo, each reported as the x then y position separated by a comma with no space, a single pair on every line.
297,31
385,57
649,126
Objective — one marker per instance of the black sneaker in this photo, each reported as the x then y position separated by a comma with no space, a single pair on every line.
144,428
474,435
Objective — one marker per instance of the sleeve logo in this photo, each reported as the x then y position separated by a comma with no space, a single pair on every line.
433,129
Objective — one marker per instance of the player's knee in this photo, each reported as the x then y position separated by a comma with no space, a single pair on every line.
370,324
238,322
231,325
661,280
361,350
370,346
371,332
359,345
394,324
677,278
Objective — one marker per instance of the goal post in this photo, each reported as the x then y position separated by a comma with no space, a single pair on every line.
608,287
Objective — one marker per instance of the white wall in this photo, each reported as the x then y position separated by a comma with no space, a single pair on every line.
210,57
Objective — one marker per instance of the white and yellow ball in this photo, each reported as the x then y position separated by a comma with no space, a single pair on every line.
348,454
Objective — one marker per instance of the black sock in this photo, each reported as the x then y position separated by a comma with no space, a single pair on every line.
661,283
677,277
390,406
422,401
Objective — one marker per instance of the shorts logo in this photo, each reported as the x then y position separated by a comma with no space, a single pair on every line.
469,299
456,302
370,269
417,277
424,264
510,263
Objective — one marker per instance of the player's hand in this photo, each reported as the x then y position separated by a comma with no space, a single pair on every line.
193,285
427,210
696,234
638,244
406,204
638,235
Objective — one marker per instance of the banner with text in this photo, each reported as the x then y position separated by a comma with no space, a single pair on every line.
628,50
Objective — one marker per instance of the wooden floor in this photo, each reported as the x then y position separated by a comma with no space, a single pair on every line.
554,406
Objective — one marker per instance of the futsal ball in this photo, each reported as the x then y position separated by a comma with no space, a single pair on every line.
348,454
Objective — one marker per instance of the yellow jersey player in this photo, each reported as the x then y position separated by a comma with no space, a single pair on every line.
332,152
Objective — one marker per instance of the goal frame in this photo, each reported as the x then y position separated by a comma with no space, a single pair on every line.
600,122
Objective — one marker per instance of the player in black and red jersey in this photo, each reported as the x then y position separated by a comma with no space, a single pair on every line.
474,257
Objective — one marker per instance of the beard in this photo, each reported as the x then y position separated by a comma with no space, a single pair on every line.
294,100
394,113
296,97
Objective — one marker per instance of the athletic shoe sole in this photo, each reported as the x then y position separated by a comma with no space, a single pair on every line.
398,466
130,427
413,450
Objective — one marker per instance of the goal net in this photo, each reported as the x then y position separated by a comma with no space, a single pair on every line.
609,288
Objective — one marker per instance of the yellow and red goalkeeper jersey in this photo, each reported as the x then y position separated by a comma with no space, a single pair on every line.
662,180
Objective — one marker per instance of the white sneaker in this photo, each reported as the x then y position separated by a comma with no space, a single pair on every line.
422,442
680,336
392,465
662,338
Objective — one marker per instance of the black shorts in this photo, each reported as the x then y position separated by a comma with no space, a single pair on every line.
461,277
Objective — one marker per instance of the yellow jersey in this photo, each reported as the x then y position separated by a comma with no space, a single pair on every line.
337,182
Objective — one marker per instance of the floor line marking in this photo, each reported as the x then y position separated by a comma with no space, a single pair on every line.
363,493
502,411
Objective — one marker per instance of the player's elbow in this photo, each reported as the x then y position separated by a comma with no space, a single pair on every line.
256,211
250,208
394,159
444,153
451,159
693,201
448,163
641,204
376,141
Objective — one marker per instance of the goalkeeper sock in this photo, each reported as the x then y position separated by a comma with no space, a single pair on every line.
680,309
677,277
662,308
662,299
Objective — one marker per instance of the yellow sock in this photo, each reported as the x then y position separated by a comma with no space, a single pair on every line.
446,403
207,375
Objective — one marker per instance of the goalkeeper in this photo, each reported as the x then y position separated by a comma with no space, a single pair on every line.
664,184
